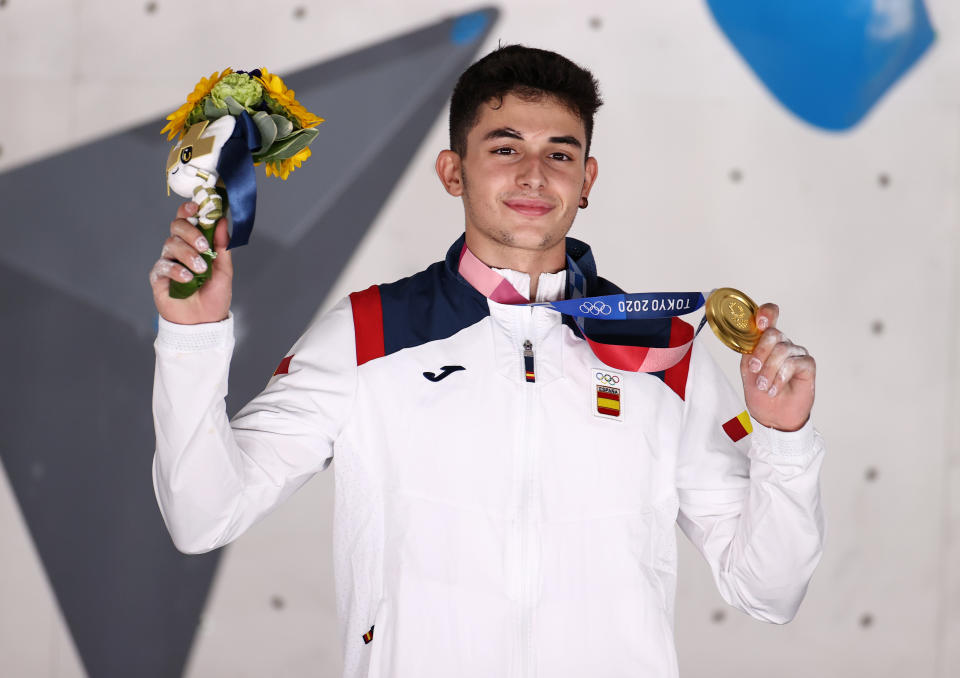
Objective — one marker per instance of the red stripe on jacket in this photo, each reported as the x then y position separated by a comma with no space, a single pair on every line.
676,376
368,324
284,366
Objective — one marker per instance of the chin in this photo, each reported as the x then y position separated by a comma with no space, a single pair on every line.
531,239
539,236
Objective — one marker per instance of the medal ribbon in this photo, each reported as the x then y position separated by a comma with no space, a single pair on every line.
608,307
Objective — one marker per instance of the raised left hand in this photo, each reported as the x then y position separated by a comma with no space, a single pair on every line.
778,377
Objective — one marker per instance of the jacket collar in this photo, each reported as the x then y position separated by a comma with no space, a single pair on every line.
577,250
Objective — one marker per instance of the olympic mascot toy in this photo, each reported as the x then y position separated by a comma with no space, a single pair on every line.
231,121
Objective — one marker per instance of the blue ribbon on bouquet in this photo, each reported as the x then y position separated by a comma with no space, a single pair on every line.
239,178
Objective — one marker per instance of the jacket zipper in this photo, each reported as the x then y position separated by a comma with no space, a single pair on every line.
528,366
526,520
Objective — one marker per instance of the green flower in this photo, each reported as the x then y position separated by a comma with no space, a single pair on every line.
245,90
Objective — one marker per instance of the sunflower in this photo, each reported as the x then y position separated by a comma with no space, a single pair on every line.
282,168
178,119
276,90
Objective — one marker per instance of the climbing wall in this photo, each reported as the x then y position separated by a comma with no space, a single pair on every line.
737,146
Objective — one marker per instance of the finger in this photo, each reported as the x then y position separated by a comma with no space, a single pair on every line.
189,234
187,209
767,316
761,351
159,272
796,365
159,281
780,355
780,352
221,239
175,248
166,270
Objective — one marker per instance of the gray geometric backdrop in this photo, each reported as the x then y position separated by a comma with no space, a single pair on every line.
77,429
705,180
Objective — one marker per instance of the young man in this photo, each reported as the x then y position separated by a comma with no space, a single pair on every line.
505,500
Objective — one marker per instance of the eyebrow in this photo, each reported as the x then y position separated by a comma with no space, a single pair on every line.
509,133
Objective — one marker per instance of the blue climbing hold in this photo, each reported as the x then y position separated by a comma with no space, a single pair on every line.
469,27
827,61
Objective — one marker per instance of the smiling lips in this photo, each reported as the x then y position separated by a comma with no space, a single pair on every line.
530,208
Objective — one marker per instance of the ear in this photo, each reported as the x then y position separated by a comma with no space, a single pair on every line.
449,168
590,172
220,129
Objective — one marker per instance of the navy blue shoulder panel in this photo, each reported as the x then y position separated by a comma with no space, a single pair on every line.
433,304
437,303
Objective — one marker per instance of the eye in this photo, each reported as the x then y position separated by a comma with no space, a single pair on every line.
504,150
559,156
186,154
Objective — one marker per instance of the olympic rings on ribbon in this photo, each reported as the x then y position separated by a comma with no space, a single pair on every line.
596,308
608,378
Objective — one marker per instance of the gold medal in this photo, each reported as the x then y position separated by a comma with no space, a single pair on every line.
732,317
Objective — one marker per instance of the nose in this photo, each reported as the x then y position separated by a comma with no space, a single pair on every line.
530,173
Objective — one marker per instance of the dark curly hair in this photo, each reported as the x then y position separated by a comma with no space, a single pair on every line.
529,73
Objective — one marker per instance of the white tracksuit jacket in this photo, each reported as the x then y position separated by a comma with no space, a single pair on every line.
485,525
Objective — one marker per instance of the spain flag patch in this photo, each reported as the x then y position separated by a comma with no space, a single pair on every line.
368,636
739,427
608,401
608,391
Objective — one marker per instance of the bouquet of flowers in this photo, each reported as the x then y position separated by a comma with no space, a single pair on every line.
231,121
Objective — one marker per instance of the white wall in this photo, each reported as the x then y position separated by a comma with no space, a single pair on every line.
865,273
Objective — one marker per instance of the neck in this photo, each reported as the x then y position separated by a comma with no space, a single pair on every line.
532,262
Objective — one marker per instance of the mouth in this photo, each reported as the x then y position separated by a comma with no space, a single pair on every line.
529,208
174,171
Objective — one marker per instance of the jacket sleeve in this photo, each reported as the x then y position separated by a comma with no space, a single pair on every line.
751,507
214,478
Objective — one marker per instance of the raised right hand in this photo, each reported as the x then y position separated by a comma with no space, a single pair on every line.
180,255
